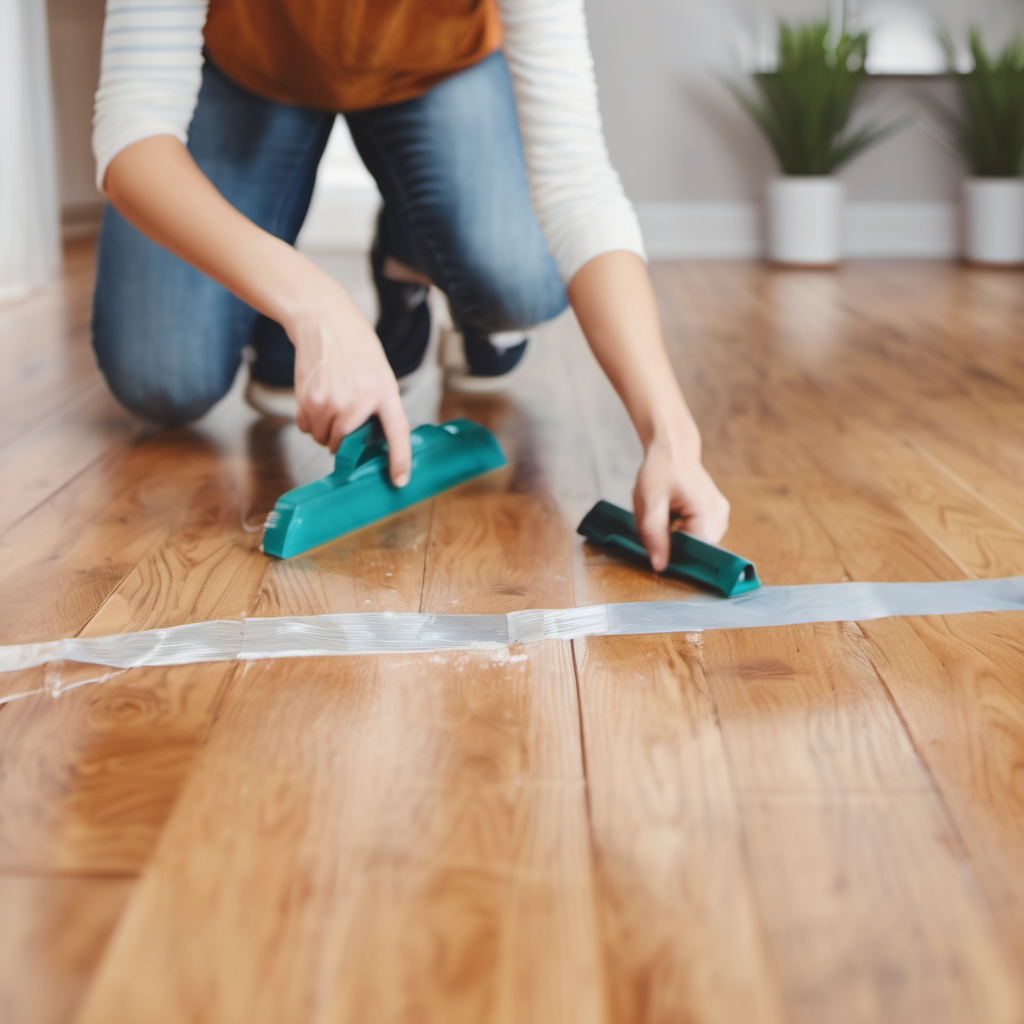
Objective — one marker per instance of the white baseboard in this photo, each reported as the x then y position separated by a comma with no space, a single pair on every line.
735,230
81,220
902,231
724,231
342,217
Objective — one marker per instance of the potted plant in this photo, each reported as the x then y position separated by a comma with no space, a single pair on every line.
988,130
804,106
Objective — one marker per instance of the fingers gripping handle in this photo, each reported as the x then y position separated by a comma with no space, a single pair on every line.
360,447
369,443
691,559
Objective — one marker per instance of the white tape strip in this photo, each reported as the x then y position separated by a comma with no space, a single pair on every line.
386,633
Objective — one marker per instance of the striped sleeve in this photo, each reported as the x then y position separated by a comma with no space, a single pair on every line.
150,74
576,193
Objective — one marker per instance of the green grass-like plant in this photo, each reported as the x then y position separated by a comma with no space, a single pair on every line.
988,128
804,106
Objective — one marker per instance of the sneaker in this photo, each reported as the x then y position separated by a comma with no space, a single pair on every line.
403,321
475,361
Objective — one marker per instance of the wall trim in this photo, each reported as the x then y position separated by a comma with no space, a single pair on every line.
342,217
81,220
735,230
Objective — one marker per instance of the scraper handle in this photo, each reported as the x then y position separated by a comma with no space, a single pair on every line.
692,559
368,443
359,447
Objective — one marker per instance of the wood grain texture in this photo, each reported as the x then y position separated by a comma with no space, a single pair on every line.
45,342
820,751
89,780
431,857
866,922
811,824
54,931
56,416
681,930
810,733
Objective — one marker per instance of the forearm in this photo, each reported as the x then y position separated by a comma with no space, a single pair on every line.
615,305
156,185
342,376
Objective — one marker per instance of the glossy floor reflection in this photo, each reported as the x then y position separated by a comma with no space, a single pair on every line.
811,823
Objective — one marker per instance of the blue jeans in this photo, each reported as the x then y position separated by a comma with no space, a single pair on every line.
449,165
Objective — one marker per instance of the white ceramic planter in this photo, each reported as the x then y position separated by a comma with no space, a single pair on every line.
805,220
994,220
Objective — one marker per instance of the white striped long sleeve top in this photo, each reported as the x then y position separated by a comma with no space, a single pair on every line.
152,69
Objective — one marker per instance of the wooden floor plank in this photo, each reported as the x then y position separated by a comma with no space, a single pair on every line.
681,931
861,924
938,694
982,541
810,732
54,450
956,682
89,779
961,684
50,321
276,804
50,377
54,931
441,836
823,757
814,823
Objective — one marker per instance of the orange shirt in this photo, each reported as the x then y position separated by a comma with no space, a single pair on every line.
345,55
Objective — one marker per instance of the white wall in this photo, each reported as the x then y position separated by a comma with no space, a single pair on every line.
29,206
696,167
677,135
75,30
688,156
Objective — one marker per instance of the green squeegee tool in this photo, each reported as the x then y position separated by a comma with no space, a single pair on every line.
360,491
692,560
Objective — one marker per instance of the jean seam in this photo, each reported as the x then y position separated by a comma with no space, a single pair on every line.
450,283
277,216
393,180
287,192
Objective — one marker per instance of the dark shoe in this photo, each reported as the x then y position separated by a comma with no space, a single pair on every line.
272,355
474,363
485,359
270,389
403,321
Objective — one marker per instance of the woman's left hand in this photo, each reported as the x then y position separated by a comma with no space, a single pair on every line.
614,303
674,485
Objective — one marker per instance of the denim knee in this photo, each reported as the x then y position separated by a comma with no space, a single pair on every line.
506,294
167,400
150,378
167,338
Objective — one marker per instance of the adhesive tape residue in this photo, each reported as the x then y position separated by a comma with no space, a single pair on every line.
313,636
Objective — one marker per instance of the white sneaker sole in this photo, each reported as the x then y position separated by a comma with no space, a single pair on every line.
456,373
271,401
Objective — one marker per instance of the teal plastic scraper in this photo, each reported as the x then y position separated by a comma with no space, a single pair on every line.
360,492
692,560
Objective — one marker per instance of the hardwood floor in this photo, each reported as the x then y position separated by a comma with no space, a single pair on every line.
819,823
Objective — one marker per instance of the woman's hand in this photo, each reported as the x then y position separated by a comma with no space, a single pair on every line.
674,485
615,305
342,378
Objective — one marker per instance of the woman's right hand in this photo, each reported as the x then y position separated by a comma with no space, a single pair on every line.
342,377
